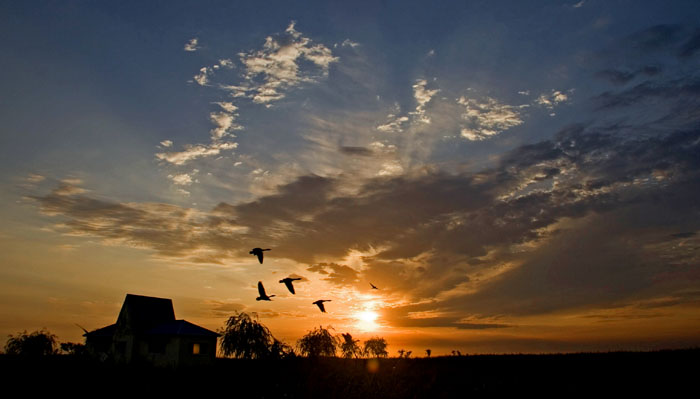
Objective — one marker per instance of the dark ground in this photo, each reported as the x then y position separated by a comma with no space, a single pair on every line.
664,372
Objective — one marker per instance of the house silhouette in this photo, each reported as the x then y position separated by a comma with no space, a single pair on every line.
146,331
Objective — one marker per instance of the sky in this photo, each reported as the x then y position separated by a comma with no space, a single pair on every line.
512,176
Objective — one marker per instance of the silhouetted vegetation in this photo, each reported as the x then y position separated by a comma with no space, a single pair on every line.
376,347
38,343
664,373
349,347
318,342
243,337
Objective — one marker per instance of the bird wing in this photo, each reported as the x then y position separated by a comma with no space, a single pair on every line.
320,306
261,289
288,283
260,256
373,286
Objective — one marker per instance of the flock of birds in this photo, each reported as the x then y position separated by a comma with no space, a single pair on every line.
288,282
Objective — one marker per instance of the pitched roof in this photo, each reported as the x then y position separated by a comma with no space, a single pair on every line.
181,327
102,332
142,313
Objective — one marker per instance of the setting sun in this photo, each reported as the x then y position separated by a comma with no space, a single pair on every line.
366,320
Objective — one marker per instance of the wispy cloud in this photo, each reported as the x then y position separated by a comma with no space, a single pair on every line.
396,122
192,152
489,118
34,178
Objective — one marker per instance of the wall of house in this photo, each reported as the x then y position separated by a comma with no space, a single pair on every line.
207,350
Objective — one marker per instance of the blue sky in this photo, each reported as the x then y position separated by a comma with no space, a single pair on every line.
468,147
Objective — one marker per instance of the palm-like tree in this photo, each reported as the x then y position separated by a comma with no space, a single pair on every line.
349,347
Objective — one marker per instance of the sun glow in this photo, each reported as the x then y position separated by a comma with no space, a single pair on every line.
366,320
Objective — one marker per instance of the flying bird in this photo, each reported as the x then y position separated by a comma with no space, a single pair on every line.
259,253
263,296
373,286
288,282
319,303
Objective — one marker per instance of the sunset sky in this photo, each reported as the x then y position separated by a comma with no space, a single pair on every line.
513,176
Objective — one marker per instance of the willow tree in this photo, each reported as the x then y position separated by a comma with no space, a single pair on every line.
318,342
243,337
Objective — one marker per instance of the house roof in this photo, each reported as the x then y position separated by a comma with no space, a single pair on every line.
102,332
181,327
142,313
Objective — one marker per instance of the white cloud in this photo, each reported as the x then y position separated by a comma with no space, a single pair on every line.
192,152
181,180
350,43
422,96
192,45
227,106
277,64
395,124
431,53
486,119
391,168
202,78
579,4
224,123
166,143
551,99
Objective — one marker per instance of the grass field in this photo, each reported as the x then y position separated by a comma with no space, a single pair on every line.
625,373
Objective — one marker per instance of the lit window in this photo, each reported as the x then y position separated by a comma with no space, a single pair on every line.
195,349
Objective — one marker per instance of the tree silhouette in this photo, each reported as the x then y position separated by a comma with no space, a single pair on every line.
376,347
428,352
318,342
349,347
38,343
243,337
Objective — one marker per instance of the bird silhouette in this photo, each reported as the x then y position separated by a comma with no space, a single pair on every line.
259,253
288,282
319,303
374,287
263,296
